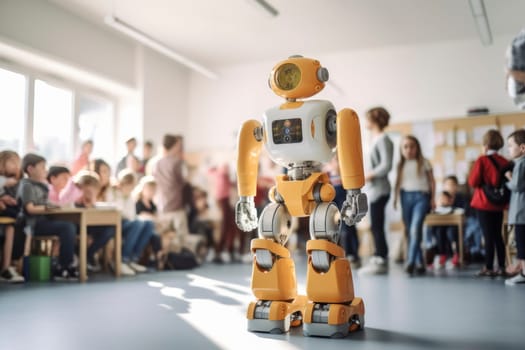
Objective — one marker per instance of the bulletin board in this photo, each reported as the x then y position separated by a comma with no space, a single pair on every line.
453,144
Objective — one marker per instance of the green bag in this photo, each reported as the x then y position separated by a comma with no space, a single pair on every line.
39,268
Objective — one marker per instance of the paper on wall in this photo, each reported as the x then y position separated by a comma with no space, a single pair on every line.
472,153
479,131
461,137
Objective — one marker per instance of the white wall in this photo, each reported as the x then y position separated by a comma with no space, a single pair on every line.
63,36
165,97
415,83
155,101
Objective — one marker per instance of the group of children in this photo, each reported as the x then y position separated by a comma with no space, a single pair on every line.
415,189
29,189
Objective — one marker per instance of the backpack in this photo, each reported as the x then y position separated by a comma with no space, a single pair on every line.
184,260
499,194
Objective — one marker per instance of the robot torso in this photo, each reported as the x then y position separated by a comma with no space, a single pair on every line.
300,132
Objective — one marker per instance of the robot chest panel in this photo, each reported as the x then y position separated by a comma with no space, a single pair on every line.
304,133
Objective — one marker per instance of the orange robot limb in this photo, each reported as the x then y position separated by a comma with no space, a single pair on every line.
274,285
248,153
349,150
333,310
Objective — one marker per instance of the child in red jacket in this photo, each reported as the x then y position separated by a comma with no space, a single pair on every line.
490,215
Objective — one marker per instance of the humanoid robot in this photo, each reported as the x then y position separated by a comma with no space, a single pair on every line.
300,135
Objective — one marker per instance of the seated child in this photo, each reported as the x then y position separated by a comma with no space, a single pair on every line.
89,185
136,233
147,210
62,188
445,235
33,196
9,177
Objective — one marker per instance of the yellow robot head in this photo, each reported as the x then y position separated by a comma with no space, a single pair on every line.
298,77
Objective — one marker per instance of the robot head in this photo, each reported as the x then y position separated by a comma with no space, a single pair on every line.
298,77
516,67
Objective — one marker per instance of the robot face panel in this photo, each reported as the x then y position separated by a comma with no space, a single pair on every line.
287,131
298,77
301,134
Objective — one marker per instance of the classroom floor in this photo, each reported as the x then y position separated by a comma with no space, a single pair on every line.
205,309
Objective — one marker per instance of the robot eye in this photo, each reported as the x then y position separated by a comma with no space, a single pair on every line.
287,76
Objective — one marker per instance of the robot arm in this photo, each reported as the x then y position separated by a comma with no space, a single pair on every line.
350,156
249,148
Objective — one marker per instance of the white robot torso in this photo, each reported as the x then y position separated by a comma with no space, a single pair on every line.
306,134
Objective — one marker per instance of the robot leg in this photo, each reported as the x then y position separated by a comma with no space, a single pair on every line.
273,276
332,310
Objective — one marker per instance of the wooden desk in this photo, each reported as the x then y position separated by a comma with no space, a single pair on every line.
92,217
454,219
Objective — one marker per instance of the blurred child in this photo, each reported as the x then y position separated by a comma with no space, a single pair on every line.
9,176
445,235
82,161
146,209
229,231
131,229
490,215
62,189
415,186
145,192
89,186
516,183
33,196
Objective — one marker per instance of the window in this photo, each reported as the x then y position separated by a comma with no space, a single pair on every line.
52,119
12,110
96,123
53,123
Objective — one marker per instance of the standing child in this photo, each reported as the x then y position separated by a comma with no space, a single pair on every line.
9,177
486,170
229,231
415,185
381,156
33,196
516,183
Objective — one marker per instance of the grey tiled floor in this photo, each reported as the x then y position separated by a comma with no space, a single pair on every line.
205,309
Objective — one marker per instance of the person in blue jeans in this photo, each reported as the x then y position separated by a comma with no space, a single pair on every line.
415,188
136,233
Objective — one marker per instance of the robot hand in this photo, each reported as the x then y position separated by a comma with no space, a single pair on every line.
354,207
245,214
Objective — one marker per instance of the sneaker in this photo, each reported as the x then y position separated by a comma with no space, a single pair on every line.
518,279
137,267
442,262
126,270
60,274
73,274
484,272
409,269
421,270
93,266
376,266
10,275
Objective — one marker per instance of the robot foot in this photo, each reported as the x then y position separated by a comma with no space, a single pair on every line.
320,324
275,317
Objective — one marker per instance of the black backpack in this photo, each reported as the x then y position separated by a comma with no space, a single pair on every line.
499,194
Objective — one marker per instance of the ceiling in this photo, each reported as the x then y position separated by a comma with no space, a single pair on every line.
216,33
